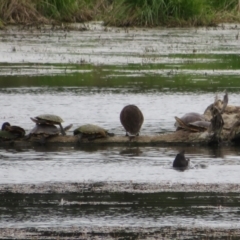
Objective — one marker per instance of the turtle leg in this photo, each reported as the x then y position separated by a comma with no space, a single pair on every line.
80,137
62,130
67,127
110,134
27,137
42,140
92,138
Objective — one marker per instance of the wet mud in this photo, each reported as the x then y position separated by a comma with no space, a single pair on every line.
137,211
129,187
121,233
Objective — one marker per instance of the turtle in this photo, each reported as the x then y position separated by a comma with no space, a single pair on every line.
9,132
91,132
193,122
49,119
43,131
180,162
132,119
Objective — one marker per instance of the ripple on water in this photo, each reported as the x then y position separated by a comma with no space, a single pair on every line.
143,164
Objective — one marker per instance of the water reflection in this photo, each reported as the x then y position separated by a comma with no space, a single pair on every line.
111,209
108,163
131,151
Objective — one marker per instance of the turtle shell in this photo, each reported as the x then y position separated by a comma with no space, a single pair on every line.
199,126
192,121
47,119
88,130
191,117
45,129
132,119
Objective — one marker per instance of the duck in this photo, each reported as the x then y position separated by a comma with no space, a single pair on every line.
131,119
180,161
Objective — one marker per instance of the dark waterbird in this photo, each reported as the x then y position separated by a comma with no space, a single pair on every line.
9,132
132,119
180,161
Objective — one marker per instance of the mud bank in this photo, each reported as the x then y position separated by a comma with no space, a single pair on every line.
79,198
130,187
110,233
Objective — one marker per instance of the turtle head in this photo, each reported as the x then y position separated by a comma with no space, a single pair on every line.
5,125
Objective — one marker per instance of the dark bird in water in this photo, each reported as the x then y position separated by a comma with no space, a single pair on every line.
15,130
180,161
132,119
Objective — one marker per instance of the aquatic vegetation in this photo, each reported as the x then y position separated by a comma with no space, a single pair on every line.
153,12
121,12
19,11
57,9
168,12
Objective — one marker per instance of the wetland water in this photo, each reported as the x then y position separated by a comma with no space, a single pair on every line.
114,192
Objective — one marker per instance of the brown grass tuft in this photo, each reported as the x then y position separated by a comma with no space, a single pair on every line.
20,11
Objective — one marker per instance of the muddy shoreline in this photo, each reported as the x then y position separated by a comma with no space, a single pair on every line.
110,233
130,187
18,192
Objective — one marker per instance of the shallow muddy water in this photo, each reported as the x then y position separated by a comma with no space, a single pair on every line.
114,192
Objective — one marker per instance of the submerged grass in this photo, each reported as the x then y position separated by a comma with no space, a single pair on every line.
121,12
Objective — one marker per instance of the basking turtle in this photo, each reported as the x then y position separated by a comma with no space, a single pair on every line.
43,131
192,121
49,119
9,132
180,162
132,119
91,132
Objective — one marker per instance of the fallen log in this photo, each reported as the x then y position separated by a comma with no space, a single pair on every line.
230,133
174,138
